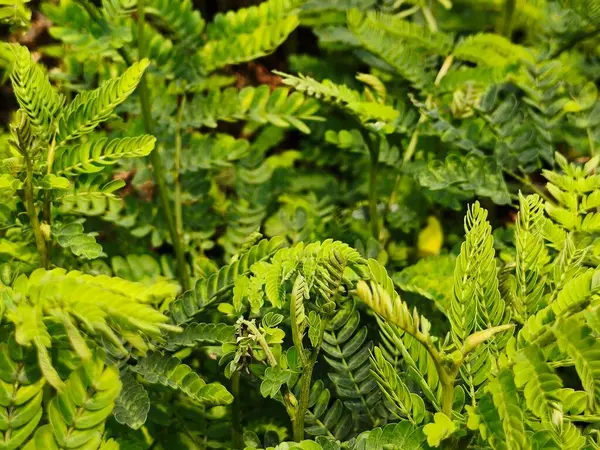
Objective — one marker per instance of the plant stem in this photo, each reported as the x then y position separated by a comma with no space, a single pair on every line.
509,12
47,206
156,160
178,205
40,241
305,384
236,412
527,182
289,400
374,216
590,135
447,382
430,19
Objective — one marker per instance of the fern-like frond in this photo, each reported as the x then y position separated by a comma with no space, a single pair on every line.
33,90
580,343
279,108
213,151
467,175
90,108
347,351
404,404
324,417
408,61
494,50
486,419
409,33
183,21
93,156
506,400
197,334
539,382
77,414
476,304
245,20
90,196
532,257
343,96
100,305
576,293
240,48
171,372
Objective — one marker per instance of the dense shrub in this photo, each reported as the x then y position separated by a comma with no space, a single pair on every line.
243,227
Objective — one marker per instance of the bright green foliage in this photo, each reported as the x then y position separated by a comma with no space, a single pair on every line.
476,304
79,300
71,236
91,157
21,393
198,251
78,412
279,108
366,111
33,91
90,108
418,278
532,257
15,12
248,33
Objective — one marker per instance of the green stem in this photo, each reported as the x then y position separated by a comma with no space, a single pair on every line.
178,146
236,412
32,213
47,206
305,384
447,382
509,12
289,400
527,182
163,191
261,341
430,19
374,216
590,135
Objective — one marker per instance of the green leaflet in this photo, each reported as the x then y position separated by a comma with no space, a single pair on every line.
133,404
